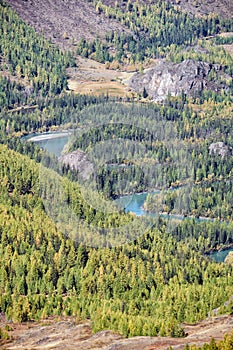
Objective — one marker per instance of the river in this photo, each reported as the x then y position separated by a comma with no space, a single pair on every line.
134,203
54,142
220,255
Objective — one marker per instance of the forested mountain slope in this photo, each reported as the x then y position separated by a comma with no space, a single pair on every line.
66,22
223,8
122,35
128,274
144,288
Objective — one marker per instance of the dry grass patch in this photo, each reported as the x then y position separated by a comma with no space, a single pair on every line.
91,77
99,88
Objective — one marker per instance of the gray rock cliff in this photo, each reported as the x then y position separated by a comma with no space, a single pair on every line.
189,76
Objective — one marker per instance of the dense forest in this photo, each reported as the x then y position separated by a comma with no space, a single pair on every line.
62,252
45,273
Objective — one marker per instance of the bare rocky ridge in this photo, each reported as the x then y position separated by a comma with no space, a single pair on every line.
229,260
165,78
65,22
66,334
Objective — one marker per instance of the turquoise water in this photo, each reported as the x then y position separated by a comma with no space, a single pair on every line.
132,202
52,142
221,255
54,146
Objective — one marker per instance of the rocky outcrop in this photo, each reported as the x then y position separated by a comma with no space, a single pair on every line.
220,149
78,160
189,76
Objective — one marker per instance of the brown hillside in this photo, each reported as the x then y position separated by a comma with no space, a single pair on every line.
66,334
65,22
223,8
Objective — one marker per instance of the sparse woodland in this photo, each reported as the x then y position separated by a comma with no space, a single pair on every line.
222,345
156,29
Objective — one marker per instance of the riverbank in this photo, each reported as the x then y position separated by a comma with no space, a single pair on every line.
219,254
48,136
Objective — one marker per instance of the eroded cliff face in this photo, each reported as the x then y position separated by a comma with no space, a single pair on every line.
188,77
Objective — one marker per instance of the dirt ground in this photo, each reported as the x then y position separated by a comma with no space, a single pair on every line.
66,333
91,77
229,48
